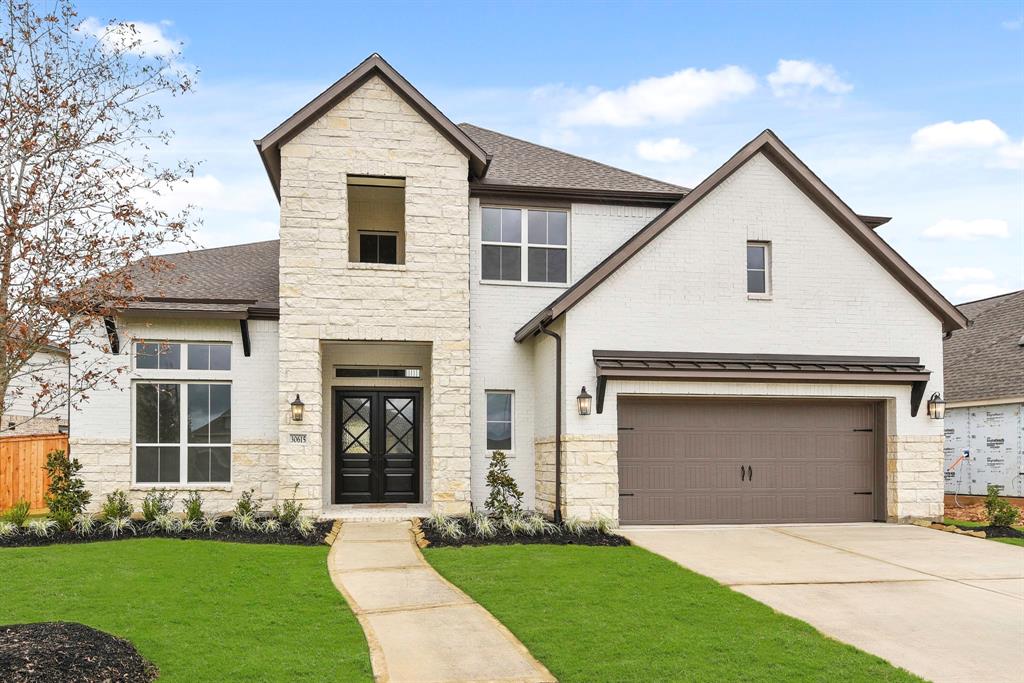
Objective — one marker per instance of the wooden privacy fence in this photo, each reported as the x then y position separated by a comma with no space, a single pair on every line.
23,468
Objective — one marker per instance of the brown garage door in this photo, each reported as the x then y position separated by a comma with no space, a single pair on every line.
686,461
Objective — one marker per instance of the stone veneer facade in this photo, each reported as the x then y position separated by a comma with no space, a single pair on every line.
590,476
325,298
914,476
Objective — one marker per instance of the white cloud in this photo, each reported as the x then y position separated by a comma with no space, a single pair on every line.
1010,155
137,37
954,229
966,134
1013,24
796,77
965,273
666,149
665,99
979,290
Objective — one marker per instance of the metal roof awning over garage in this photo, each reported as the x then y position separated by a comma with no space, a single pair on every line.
740,367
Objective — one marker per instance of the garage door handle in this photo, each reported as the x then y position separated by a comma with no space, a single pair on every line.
862,493
743,474
626,495
750,473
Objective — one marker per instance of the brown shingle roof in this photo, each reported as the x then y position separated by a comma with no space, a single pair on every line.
519,163
242,278
986,360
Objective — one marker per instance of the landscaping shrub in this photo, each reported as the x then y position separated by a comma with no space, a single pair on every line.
290,509
8,529
505,496
157,504
17,514
66,496
193,507
1001,512
116,506
516,527
43,528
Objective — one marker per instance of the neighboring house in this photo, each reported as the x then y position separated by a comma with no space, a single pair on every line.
985,398
20,417
753,350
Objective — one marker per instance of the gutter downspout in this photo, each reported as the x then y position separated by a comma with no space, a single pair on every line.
558,421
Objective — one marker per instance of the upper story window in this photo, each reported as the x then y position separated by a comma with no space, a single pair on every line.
376,219
544,236
758,267
157,356
167,356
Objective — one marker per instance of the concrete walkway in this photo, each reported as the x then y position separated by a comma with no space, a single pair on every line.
945,607
420,627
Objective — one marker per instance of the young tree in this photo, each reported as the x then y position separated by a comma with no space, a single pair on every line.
80,187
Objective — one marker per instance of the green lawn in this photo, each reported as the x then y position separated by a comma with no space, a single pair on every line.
624,614
972,525
199,610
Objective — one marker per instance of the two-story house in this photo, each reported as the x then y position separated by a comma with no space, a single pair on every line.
748,350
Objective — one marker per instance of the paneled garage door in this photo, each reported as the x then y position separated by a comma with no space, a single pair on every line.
688,461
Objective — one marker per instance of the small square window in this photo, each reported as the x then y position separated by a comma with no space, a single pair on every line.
758,267
377,247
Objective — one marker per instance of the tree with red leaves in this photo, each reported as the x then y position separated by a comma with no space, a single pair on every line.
80,127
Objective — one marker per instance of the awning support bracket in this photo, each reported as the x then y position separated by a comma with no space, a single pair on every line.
115,341
246,343
916,394
602,384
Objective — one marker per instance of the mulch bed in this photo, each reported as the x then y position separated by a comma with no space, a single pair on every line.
503,537
63,652
996,531
226,533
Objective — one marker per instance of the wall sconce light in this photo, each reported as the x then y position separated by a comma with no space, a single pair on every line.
298,408
936,407
583,402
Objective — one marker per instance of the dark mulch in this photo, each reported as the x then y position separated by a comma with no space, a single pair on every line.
996,531
226,533
503,537
59,652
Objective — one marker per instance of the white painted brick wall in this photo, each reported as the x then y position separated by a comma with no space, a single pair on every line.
101,427
498,310
686,291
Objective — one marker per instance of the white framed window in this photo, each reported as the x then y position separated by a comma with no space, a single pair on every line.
499,421
197,355
157,356
182,432
524,245
758,268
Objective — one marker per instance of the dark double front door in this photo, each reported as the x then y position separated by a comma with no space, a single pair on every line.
376,446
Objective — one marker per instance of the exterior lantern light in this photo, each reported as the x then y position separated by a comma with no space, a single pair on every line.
298,408
583,402
936,407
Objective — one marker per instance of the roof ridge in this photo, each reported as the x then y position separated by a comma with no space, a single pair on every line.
990,298
574,156
208,249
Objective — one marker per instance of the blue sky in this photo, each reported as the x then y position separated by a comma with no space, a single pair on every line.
912,110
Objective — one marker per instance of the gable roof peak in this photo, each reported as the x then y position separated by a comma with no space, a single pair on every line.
269,146
783,158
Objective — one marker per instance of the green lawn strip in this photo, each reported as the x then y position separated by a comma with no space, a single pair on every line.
624,614
1009,541
199,610
974,525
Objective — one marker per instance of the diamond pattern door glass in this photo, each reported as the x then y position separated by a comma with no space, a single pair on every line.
398,427
355,426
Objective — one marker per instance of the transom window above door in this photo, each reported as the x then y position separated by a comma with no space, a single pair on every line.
543,234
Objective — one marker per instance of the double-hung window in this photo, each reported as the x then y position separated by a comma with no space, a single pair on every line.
506,233
758,268
499,420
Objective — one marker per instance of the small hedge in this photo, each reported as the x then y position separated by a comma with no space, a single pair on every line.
479,529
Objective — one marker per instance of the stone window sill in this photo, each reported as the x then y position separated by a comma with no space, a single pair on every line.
759,297
393,267
180,487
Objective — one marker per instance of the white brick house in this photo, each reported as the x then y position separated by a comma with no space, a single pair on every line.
755,352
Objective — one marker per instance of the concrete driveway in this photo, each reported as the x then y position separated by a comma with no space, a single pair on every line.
946,607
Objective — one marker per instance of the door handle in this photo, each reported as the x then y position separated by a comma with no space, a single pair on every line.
750,473
743,474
